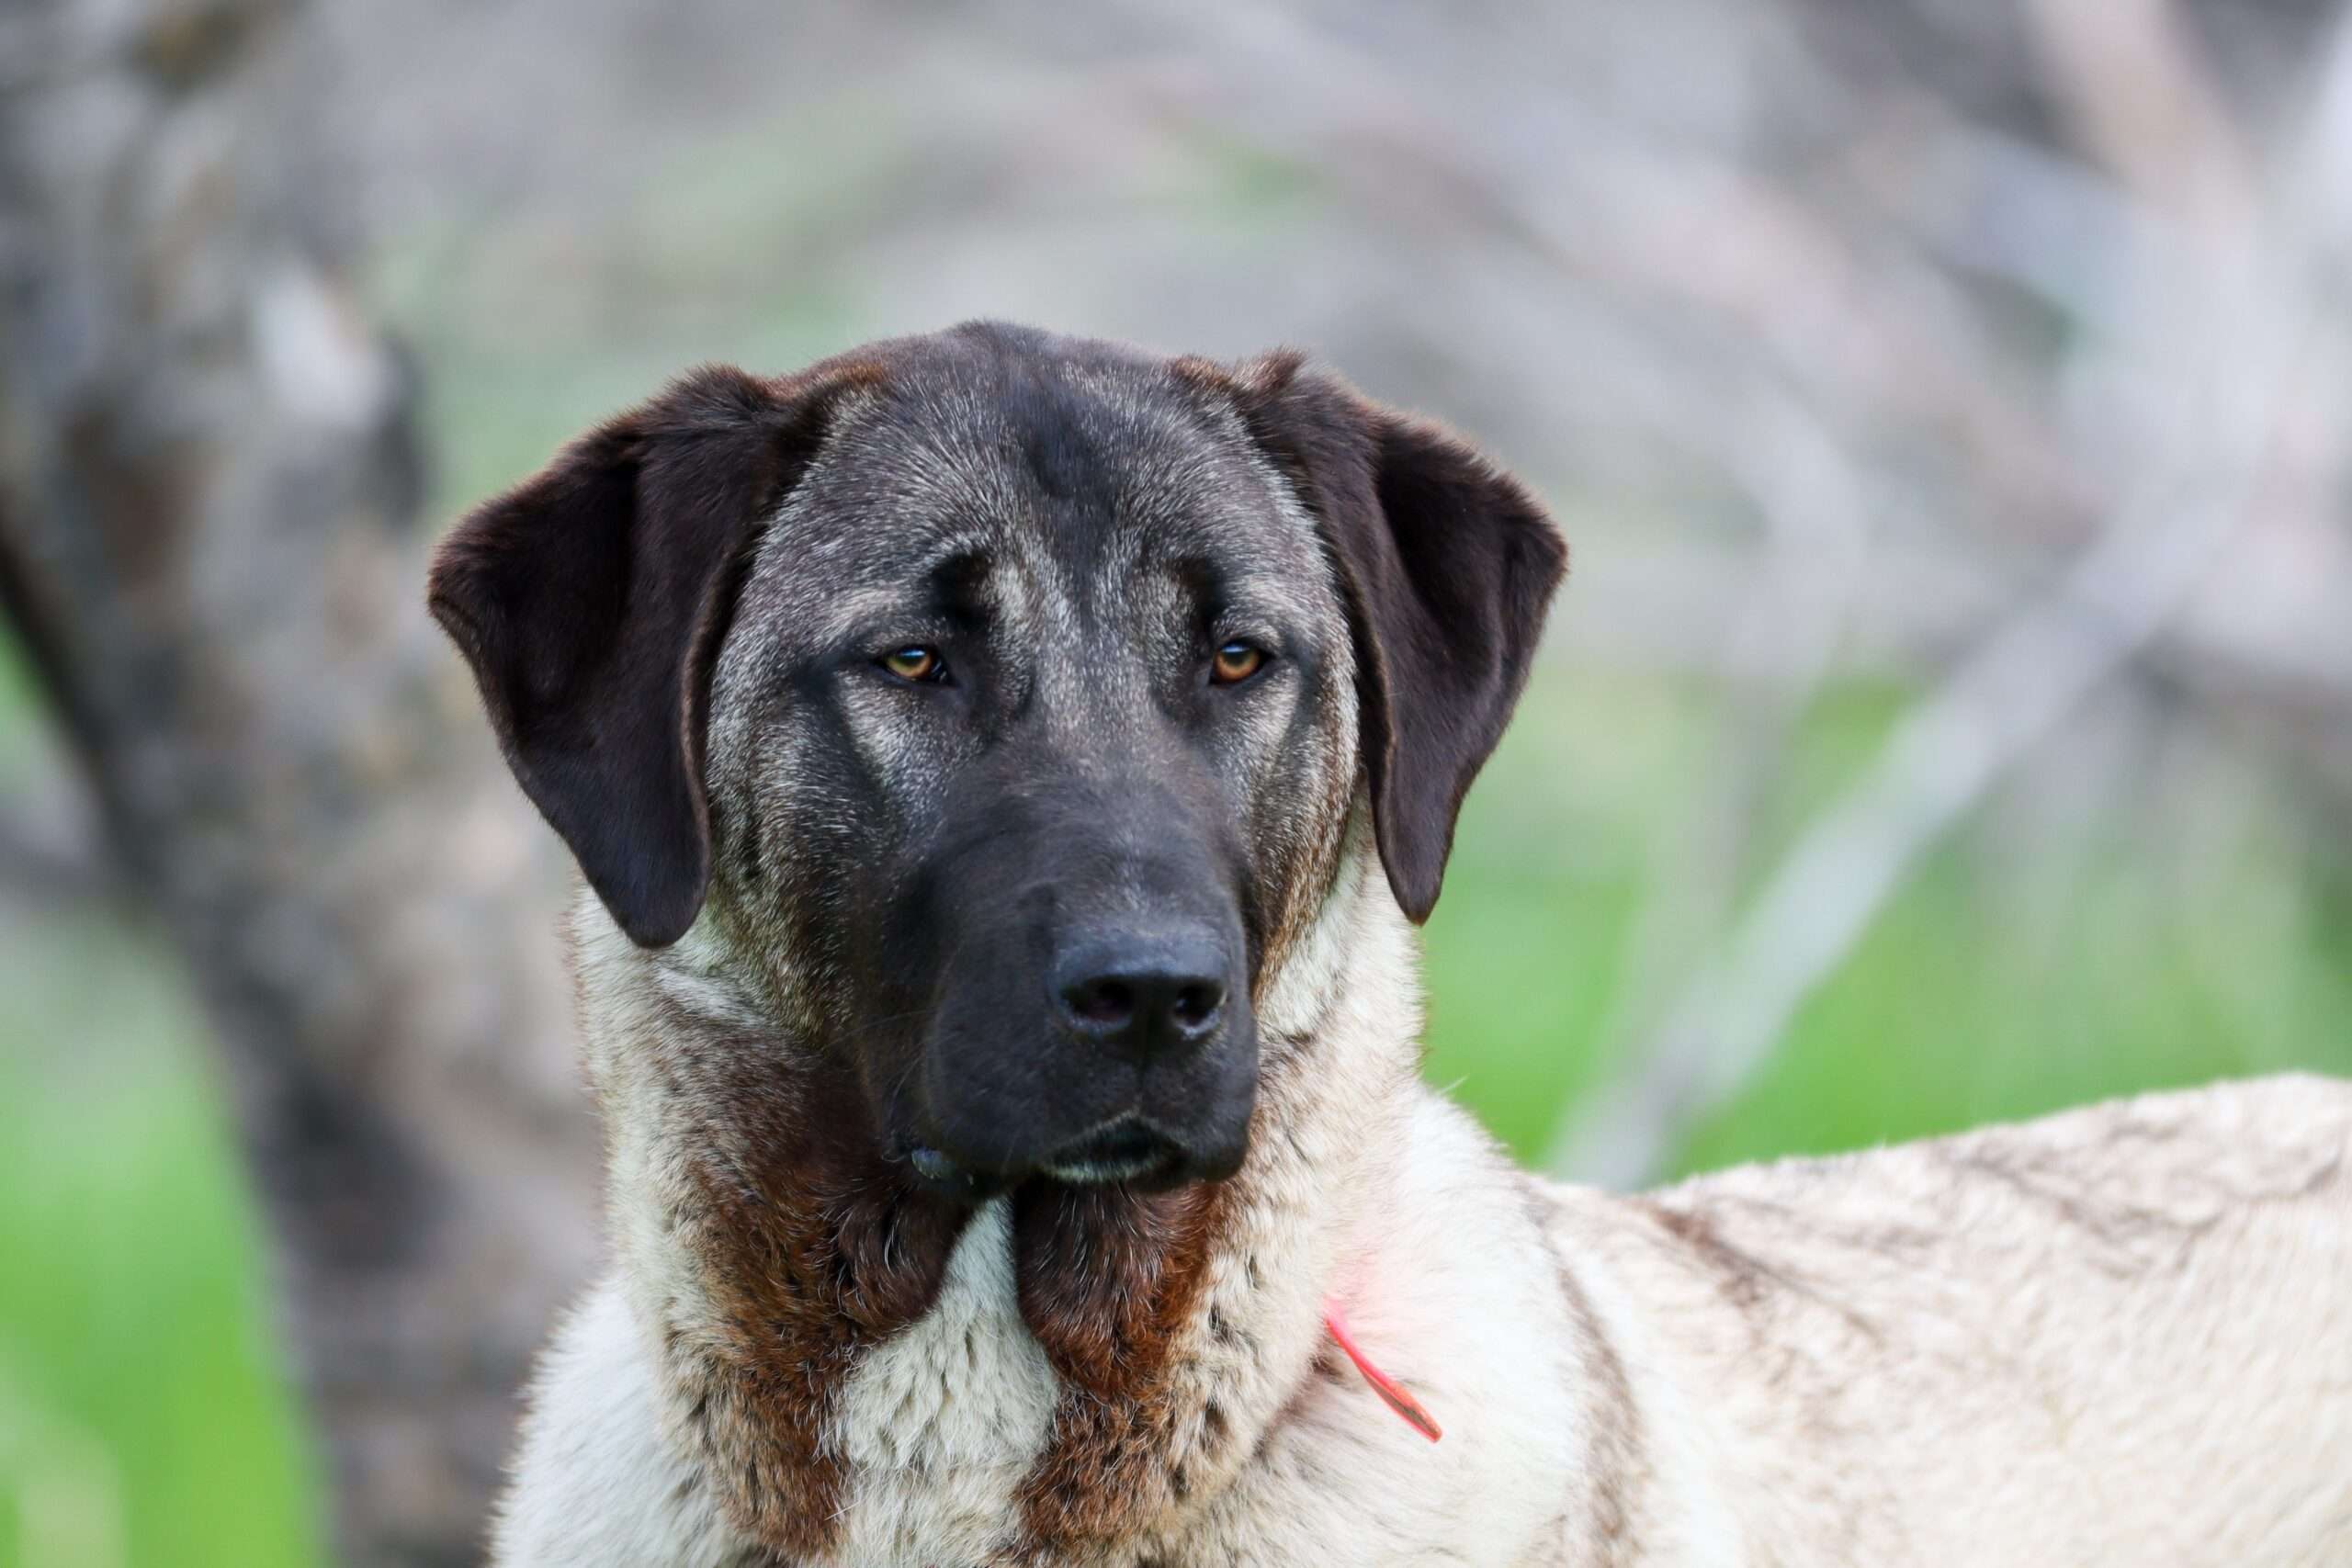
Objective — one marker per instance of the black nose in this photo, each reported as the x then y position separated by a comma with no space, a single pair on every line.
1147,992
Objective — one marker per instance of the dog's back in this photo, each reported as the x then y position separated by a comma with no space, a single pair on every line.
2118,1334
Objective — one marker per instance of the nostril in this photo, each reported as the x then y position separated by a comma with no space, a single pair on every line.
1194,1007
1104,1003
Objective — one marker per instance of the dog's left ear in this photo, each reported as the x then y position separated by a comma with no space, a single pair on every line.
591,600
1449,565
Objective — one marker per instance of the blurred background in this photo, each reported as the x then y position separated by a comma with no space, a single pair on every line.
1948,716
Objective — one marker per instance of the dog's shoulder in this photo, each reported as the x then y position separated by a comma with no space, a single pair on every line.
595,1483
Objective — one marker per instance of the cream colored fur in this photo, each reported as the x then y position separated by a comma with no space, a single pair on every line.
2120,1335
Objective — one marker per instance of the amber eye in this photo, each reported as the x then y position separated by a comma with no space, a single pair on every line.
914,662
1235,662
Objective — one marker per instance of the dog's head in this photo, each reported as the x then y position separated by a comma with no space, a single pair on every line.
1003,698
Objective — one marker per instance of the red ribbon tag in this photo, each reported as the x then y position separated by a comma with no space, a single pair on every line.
1391,1393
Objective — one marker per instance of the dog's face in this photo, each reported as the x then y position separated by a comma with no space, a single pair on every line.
1028,731
1003,698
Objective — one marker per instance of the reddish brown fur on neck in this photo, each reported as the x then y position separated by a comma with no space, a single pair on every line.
811,1249
1109,1282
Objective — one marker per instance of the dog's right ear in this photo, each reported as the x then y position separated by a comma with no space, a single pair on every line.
591,600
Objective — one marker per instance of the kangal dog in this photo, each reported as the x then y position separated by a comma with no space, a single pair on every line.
1006,769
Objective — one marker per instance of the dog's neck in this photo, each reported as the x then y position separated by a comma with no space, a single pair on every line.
773,1251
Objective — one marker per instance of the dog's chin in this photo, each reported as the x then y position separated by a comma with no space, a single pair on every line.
1130,1153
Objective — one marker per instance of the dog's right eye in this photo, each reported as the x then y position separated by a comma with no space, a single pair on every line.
914,662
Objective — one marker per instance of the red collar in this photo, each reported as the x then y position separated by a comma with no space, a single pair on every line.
1391,1392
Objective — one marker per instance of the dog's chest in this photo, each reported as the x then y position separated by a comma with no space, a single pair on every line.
941,1422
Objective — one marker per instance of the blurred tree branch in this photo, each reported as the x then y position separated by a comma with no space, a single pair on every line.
2223,349
209,547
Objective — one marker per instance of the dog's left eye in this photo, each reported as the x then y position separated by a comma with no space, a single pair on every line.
1235,662
914,662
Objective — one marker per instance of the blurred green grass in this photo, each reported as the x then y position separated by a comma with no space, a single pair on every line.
145,1417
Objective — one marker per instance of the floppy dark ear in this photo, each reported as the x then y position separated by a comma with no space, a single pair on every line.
591,600
1449,565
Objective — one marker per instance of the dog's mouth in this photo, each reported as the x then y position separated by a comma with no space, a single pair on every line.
1130,1149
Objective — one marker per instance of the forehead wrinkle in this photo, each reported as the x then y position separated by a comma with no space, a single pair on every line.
1056,633
1255,546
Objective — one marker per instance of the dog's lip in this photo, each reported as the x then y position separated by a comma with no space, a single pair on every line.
1120,1150
1126,1149
1131,1148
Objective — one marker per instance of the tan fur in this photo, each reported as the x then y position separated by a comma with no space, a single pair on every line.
2115,1335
